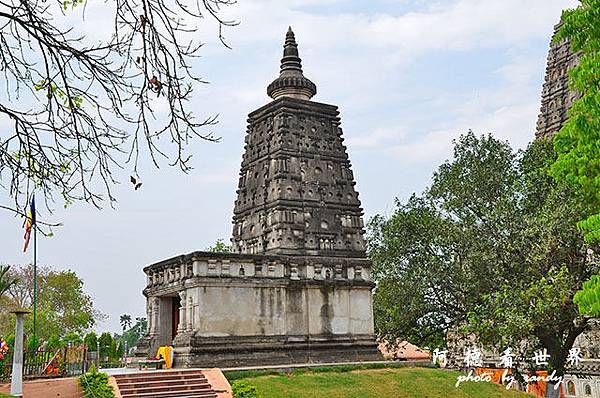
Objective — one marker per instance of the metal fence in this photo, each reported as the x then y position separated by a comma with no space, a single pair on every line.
70,361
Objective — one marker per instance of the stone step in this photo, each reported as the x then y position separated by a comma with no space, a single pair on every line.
161,388
165,384
158,373
159,383
180,378
164,376
175,394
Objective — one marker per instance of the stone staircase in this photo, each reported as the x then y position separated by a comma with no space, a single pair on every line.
165,384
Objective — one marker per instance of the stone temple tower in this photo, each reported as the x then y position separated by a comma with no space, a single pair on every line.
297,286
296,191
557,98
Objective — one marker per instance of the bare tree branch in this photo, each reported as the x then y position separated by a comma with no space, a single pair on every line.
77,112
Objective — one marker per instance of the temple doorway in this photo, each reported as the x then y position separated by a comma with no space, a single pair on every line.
176,305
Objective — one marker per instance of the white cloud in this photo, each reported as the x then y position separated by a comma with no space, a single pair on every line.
379,137
432,147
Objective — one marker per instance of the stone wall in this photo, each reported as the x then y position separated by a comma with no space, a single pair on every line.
246,309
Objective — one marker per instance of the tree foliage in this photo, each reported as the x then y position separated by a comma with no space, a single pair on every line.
91,341
491,247
134,333
125,321
63,305
578,141
107,345
80,108
95,385
219,247
7,281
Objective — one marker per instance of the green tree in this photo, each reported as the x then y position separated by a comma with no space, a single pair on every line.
125,321
219,247
91,341
577,143
106,345
73,338
133,334
53,343
119,351
63,305
7,281
490,247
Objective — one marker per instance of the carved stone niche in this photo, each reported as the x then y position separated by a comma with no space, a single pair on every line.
318,272
339,269
212,267
358,272
328,273
225,267
294,275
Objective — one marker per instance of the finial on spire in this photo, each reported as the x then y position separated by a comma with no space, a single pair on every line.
291,81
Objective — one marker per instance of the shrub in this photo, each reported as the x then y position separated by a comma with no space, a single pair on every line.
95,385
53,343
243,389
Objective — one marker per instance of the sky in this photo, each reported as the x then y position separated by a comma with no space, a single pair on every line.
409,76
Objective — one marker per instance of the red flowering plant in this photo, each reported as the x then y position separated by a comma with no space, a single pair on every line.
4,359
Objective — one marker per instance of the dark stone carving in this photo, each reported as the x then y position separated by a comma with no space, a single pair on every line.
557,98
291,80
296,191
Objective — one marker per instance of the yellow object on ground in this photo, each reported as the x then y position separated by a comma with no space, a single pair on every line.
164,352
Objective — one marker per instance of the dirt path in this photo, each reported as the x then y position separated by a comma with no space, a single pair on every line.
64,388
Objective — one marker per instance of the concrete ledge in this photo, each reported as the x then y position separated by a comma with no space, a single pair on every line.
274,350
392,364
218,382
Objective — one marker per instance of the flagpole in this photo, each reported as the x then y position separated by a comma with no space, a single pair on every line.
35,284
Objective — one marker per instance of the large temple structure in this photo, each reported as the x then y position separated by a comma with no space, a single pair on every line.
297,287
557,98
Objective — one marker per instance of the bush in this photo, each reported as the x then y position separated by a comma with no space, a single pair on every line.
53,343
95,385
243,389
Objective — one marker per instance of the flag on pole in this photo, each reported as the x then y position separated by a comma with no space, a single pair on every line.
29,223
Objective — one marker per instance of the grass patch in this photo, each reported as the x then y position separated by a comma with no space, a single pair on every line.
402,382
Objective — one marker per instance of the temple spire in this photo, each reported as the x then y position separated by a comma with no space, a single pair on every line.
291,81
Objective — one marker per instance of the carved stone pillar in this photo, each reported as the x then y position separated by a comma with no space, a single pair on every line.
149,314
190,314
182,321
155,304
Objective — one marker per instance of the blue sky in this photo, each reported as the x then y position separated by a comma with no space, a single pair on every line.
408,76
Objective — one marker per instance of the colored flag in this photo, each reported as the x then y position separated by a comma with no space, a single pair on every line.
29,223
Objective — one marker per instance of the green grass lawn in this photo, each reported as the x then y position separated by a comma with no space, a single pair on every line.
375,383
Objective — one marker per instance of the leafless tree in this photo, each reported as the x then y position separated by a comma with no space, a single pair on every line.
73,112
